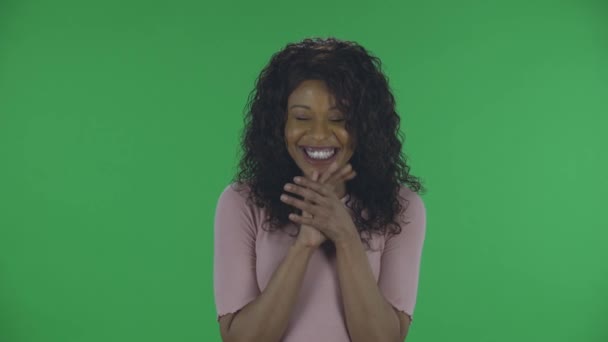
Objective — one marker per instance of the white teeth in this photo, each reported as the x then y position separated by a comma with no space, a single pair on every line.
320,154
327,150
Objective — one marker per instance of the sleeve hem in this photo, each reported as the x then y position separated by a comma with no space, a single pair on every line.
232,309
224,313
406,312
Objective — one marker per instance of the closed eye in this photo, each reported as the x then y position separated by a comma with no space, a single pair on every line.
334,120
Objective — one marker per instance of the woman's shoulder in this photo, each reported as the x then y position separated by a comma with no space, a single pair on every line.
237,188
413,210
235,194
410,199
234,209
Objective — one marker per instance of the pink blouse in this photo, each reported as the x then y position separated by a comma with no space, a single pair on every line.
246,256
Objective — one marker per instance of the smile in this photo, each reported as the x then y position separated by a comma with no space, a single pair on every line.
319,157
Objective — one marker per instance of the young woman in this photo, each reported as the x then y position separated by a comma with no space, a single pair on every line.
319,236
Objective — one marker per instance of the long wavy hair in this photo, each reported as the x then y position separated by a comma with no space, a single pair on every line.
355,78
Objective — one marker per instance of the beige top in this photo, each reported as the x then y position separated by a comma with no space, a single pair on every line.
246,256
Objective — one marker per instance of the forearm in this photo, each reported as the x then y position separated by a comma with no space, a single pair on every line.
369,317
265,318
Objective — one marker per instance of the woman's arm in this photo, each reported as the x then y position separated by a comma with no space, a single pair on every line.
265,318
369,317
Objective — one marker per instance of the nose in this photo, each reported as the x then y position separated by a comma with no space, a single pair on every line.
320,130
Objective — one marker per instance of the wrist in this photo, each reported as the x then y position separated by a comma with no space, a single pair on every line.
302,246
347,242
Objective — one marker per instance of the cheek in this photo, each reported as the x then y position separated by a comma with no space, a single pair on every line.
291,135
345,139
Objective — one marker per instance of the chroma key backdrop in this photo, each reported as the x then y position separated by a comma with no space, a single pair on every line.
120,124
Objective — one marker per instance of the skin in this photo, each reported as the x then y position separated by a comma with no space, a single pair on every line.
310,236
313,120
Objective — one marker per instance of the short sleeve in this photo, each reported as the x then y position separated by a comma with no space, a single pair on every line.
234,276
400,263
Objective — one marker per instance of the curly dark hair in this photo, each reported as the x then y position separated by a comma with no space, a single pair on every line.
355,78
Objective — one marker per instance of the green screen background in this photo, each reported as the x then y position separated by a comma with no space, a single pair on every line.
119,127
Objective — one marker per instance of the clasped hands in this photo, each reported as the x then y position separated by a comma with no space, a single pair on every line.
329,215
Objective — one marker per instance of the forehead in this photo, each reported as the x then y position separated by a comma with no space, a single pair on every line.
311,93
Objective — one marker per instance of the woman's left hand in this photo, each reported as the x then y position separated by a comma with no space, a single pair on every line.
330,216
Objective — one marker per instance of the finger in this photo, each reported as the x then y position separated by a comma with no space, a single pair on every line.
349,175
315,175
339,176
318,187
307,194
302,220
332,168
305,206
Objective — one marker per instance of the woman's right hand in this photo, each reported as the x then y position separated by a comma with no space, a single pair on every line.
308,235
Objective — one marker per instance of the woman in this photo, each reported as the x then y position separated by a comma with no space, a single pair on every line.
334,254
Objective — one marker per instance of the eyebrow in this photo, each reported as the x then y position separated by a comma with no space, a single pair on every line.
303,106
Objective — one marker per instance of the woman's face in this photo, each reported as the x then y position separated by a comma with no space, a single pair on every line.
313,121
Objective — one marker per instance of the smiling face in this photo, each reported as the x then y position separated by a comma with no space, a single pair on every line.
313,120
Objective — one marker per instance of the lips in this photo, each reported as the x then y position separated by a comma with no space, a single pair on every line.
317,147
